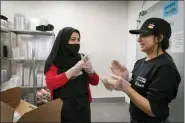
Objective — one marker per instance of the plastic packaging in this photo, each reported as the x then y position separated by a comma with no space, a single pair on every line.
4,22
19,21
13,82
3,76
33,22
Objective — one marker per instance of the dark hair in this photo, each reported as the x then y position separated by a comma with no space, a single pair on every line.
164,44
77,31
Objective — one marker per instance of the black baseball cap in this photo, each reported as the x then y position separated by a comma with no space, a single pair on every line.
154,26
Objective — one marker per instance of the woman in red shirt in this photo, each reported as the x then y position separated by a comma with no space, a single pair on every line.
68,76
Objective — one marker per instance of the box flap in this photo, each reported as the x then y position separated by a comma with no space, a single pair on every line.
49,112
12,96
21,109
6,113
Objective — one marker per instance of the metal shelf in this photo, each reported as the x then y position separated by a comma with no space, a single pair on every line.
29,86
33,60
29,32
4,58
4,30
22,60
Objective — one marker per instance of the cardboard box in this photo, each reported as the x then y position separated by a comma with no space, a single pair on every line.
12,96
13,109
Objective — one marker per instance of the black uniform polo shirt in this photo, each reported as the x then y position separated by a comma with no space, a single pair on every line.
157,80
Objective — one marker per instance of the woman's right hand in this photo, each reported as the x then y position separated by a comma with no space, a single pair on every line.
108,83
75,70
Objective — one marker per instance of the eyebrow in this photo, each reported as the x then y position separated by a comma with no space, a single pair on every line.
74,37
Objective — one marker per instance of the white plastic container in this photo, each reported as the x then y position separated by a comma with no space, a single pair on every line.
33,22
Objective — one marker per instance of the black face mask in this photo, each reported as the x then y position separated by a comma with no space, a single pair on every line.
73,49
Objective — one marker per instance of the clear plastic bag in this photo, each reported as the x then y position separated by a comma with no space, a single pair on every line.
14,81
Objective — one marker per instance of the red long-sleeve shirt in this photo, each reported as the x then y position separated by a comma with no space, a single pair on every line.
54,81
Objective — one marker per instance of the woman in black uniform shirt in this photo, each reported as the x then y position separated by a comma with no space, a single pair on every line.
155,79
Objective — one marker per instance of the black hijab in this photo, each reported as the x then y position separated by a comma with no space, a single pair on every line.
62,53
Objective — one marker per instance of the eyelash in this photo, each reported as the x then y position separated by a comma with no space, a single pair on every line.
74,40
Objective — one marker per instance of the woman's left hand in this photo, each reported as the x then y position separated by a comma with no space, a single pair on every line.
88,66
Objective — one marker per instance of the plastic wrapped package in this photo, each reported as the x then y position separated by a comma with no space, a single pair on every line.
15,52
26,76
43,96
4,76
39,79
4,22
43,80
5,46
31,97
32,23
44,22
19,21
19,72
44,42
13,40
29,47
31,82
31,78
13,82
23,45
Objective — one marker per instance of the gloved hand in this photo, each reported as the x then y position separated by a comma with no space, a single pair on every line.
121,84
117,83
119,70
109,83
75,70
88,65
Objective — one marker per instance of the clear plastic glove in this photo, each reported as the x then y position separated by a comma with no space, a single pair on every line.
122,84
88,65
119,70
85,58
75,70
108,83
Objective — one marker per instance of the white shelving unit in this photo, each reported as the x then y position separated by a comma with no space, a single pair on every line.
32,61
3,30
28,32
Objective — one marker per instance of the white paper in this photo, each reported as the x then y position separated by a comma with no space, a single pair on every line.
177,42
13,82
16,117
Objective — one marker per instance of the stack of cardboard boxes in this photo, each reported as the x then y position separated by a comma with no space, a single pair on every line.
13,109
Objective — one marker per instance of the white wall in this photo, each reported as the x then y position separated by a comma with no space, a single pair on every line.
103,26
134,7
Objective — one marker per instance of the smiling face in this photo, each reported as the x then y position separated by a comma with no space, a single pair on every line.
74,39
148,43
